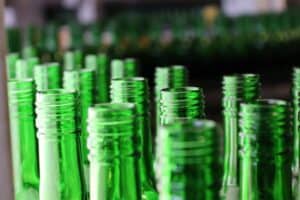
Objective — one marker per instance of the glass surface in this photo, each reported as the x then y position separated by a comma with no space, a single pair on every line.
113,152
187,160
136,90
21,95
61,174
265,156
236,89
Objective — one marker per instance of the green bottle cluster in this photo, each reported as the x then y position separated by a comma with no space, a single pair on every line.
186,160
61,173
265,151
21,96
113,152
184,103
136,90
236,89
81,82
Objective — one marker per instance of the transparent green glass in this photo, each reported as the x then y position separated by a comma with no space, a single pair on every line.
236,89
48,76
29,52
113,152
102,79
73,60
21,96
11,60
179,76
168,77
91,62
186,163
265,151
25,68
162,79
117,69
296,132
82,82
102,76
131,67
181,104
61,174
136,90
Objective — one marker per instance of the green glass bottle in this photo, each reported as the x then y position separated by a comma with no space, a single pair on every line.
29,51
181,104
168,77
73,60
90,62
61,174
136,90
186,160
117,69
82,82
102,79
48,76
131,67
179,76
21,96
25,68
11,60
296,132
236,89
265,152
113,152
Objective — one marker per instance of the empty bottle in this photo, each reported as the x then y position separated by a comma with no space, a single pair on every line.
113,152
102,76
236,89
61,174
82,82
265,151
181,104
168,77
21,96
187,164
136,91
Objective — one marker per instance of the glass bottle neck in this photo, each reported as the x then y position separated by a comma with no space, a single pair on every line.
60,168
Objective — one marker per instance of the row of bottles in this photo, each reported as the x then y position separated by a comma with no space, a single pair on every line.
181,34
82,129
